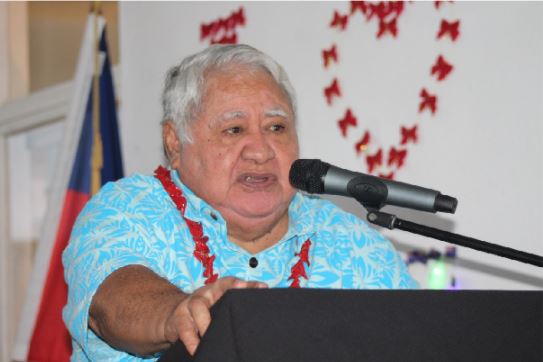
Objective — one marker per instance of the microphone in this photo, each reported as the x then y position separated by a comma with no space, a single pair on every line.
317,177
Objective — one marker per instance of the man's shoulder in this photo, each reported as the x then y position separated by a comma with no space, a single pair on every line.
324,212
332,224
128,188
132,195
132,183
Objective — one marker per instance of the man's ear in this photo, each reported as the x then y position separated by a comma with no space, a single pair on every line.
172,144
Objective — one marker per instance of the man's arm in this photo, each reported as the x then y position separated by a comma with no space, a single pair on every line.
137,311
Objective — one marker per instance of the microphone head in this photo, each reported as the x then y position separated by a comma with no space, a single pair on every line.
445,203
308,175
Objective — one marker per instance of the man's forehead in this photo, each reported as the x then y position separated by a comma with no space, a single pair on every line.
240,76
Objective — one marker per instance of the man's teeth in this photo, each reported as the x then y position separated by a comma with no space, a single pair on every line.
254,178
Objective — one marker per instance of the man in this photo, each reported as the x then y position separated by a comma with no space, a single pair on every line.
149,256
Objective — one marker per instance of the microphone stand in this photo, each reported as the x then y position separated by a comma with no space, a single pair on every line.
393,222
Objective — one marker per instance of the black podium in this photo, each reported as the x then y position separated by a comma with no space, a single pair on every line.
346,325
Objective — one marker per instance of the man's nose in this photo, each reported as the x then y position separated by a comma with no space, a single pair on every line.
257,148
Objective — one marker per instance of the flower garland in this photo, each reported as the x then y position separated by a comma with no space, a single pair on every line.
201,250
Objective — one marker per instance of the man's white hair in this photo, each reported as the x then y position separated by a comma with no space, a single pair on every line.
186,82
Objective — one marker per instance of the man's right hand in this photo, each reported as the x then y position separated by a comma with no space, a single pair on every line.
191,318
137,311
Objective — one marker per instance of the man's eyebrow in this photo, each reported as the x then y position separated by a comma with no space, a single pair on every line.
277,112
227,116
232,115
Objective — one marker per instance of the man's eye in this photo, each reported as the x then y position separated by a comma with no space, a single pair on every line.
277,128
233,130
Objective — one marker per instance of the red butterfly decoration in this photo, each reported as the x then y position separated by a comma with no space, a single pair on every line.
226,25
409,134
329,55
207,30
389,27
428,101
339,21
442,68
348,120
437,3
238,17
362,145
396,157
359,5
396,7
375,9
331,91
452,29
375,160
385,8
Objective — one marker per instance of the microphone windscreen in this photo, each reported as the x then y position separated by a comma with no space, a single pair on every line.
445,203
307,175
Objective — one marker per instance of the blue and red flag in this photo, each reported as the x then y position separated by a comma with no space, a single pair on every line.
97,161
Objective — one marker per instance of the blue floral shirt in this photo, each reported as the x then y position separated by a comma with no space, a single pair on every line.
134,221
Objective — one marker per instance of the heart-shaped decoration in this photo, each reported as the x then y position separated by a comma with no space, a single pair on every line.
379,160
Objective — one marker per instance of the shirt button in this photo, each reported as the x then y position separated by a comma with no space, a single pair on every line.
213,216
253,262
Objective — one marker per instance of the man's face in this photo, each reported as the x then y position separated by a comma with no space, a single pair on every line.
244,142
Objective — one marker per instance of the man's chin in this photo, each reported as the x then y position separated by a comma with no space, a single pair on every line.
261,208
253,212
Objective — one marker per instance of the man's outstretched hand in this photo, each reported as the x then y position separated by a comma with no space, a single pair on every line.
137,311
191,318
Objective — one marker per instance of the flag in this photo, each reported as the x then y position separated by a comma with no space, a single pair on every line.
94,160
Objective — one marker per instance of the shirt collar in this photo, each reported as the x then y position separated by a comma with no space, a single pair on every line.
196,208
299,218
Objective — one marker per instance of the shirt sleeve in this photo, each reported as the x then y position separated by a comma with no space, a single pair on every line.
111,232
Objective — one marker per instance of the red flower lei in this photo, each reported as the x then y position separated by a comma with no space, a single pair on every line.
201,250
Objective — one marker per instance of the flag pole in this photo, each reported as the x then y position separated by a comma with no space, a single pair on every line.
42,334
97,159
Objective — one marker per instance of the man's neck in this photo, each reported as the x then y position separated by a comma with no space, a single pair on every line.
260,241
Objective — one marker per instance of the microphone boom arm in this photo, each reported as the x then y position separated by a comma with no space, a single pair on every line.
393,222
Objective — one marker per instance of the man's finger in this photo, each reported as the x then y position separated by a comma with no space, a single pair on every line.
199,309
241,284
223,284
188,333
226,283
255,284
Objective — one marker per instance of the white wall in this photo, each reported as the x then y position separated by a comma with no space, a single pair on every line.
483,146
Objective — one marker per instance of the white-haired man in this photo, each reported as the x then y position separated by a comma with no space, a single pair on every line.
149,256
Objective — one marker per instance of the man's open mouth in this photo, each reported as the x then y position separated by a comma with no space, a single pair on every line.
256,180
